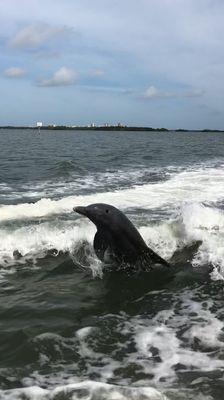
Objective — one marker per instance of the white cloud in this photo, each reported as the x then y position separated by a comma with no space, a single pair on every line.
98,73
35,35
63,77
195,93
14,72
186,53
153,93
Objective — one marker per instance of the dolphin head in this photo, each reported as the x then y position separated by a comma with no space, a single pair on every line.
102,215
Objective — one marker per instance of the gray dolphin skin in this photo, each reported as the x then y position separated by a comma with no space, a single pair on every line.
118,240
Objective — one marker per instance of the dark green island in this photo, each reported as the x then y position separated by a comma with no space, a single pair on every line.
118,127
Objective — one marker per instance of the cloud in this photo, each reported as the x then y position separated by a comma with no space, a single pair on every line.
97,73
153,93
187,53
14,72
48,54
63,77
195,93
35,35
108,89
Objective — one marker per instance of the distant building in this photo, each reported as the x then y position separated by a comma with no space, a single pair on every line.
119,125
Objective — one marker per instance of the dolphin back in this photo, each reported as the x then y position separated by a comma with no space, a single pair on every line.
156,259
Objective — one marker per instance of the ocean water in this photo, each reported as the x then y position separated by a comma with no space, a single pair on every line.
71,330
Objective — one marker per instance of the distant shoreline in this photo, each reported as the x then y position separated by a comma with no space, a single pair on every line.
107,128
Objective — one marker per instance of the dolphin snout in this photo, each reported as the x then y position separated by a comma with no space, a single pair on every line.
80,210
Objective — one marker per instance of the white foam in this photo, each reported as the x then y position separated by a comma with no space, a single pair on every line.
206,224
74,183
195,222
172,333
188,186
34,241
87,390
183,195
32,393
158,347
163,238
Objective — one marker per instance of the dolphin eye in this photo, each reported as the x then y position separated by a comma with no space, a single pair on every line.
107,211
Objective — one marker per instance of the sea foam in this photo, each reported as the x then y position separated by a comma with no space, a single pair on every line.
188,197
87,390
203,185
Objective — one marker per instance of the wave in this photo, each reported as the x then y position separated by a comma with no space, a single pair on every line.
188,186
85,182
185,207
162,346
81,182
194,222
33,242
84,390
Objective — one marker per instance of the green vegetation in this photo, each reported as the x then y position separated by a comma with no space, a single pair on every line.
107,128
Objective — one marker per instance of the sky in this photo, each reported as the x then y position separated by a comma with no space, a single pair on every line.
156,63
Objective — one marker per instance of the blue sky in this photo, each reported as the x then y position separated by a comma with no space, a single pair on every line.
148,62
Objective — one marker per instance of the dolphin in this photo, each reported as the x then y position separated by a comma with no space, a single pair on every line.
117,240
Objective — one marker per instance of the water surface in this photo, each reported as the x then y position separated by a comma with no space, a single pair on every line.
68,328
